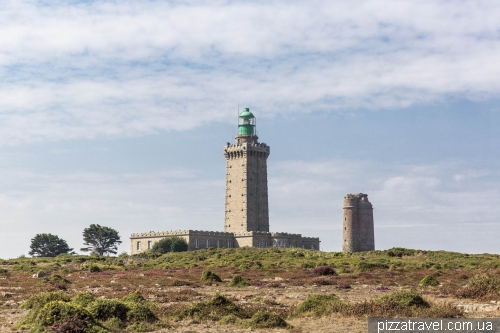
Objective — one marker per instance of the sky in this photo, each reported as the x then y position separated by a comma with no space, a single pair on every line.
116,112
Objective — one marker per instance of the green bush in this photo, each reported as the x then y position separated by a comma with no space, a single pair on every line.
94,268
136,298
320,305
230,319
40,300
83,299
104,309
429,280
406,298
41,317
209,276
238,281
170,244
215,309
141,313
266,319
59,279
480,286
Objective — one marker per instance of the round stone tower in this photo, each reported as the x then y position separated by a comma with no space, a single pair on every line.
358,230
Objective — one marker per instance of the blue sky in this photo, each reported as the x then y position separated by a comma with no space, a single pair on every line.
116,113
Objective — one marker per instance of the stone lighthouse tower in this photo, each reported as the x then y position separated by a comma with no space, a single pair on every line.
357,232
246,179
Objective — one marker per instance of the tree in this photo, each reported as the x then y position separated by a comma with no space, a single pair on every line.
100,239
48,245
170,244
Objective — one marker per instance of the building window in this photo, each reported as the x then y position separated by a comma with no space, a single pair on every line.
303,246
138,246
312,247
150,244
196,243
219,243
265,243
229,244
208,243
274,243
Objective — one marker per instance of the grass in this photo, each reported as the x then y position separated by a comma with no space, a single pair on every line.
175,284
399,304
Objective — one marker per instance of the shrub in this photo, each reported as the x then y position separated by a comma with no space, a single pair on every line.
54,312
429,280
72,325
230,319
141,313
170,244
83,299
320,305
480,286
238,281
209,276
324,270
40,300
266,319
104,309
406,298
94,268
218,307
136,298
59,279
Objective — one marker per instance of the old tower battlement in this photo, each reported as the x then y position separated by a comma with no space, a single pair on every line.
358,231
246,218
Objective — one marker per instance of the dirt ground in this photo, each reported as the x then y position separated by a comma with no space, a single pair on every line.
285,297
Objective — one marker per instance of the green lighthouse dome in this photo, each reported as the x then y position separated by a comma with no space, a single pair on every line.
246,123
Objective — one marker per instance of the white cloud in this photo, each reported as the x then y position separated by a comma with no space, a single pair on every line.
87,69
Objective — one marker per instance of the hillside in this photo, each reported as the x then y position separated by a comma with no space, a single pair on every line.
277,280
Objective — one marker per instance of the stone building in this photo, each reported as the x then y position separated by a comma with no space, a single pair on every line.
246,221
358,232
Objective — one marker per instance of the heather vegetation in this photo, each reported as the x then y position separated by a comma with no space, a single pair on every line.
149,291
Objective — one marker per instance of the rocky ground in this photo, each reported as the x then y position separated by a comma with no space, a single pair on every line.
287,297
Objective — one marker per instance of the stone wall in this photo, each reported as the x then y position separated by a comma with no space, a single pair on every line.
198,239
